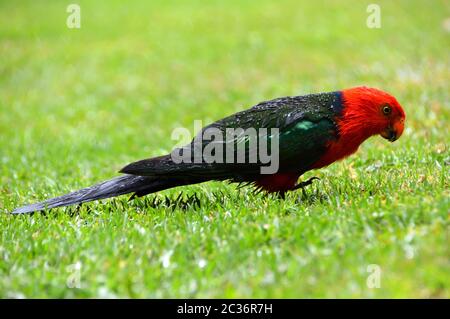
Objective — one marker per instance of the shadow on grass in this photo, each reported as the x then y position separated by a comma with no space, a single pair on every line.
183,201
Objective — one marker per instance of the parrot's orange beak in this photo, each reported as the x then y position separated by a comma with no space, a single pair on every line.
394,130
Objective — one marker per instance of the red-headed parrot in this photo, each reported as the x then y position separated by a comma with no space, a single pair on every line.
313,131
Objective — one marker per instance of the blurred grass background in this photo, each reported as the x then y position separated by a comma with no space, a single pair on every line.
78,104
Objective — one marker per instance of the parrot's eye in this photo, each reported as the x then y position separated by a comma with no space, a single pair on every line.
387,110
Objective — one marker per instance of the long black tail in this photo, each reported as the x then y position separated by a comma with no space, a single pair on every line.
139,185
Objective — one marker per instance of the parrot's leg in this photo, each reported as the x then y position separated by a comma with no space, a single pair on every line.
302,185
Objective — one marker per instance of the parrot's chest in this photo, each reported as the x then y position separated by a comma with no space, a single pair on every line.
337,150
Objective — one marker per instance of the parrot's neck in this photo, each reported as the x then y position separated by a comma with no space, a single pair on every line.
354,125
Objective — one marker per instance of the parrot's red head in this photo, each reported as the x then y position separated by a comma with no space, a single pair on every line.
369,111
366,112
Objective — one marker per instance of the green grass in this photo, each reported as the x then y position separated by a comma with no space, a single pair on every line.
77,105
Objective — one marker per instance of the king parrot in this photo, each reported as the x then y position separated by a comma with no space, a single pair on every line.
314,131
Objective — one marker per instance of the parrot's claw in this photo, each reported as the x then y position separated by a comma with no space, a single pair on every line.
302,185
306,183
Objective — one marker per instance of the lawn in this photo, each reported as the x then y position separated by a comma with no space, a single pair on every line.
78,104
